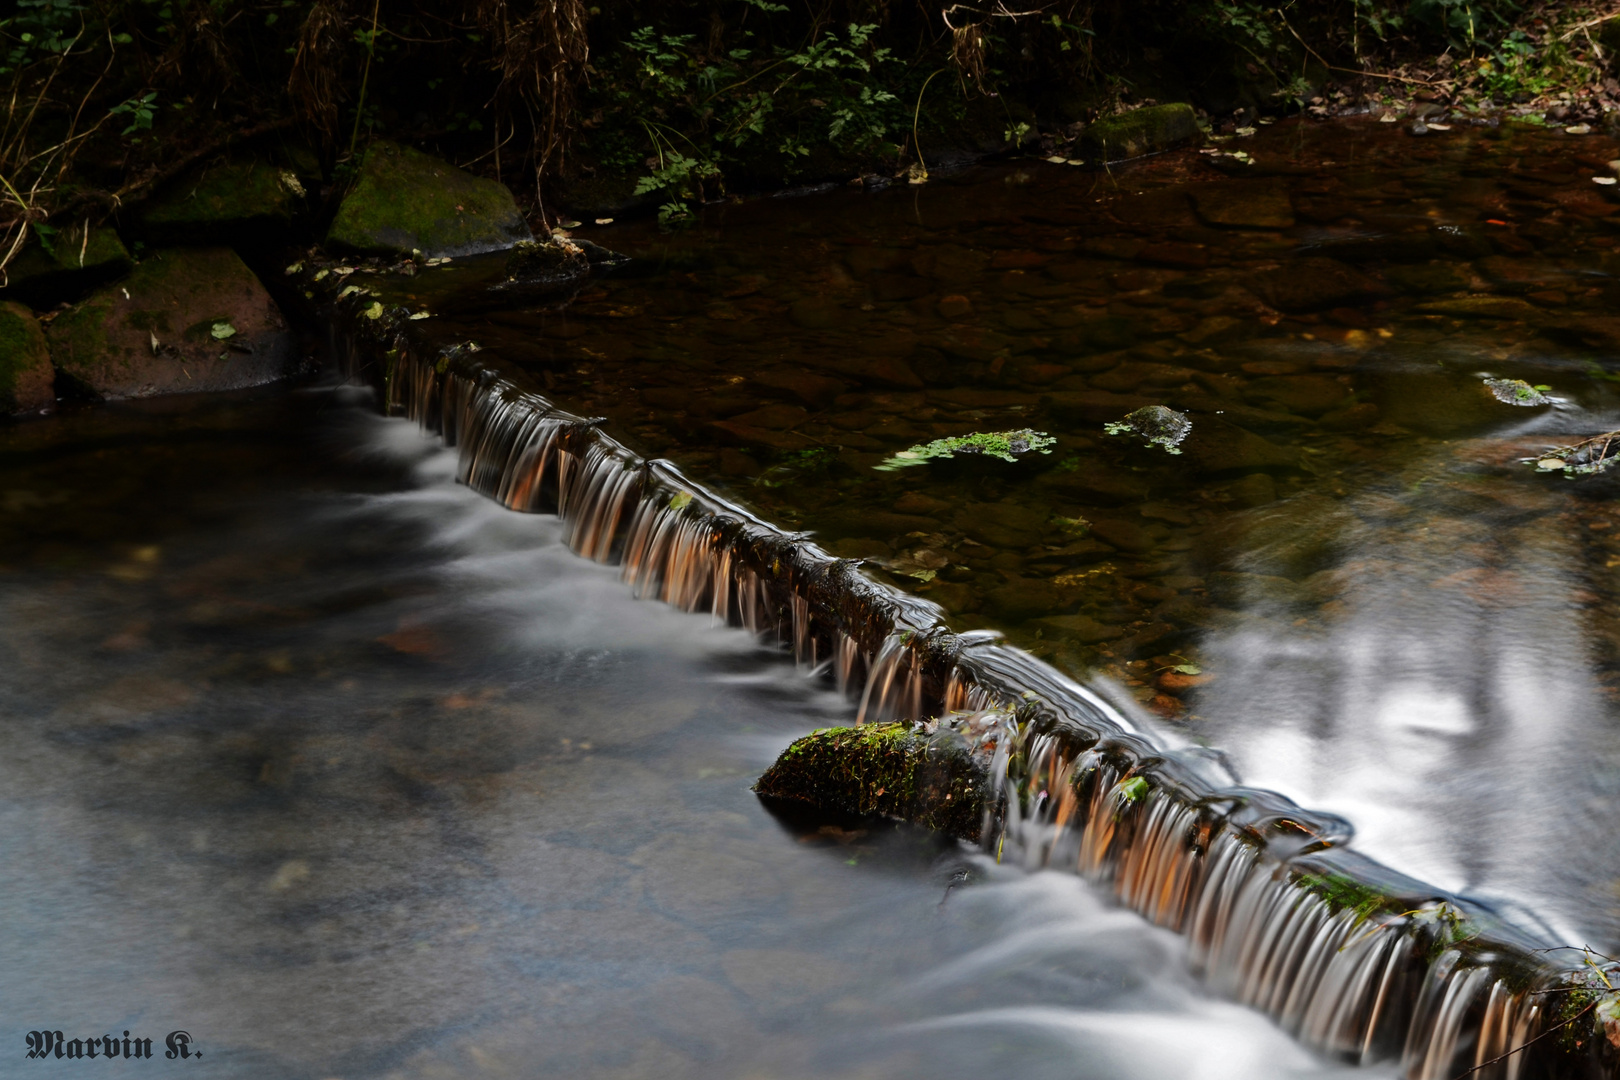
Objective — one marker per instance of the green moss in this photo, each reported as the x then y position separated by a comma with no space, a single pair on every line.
1006,445
41,276
223,199
887,769
1141,131
1158,425
1343,892
405,200
22,351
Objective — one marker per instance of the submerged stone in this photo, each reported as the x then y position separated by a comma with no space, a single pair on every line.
27,381
73,264
1141,131
191,319
896,770
405,200
1158,425
1240,205
556,260
1311,283
1518,392
233,201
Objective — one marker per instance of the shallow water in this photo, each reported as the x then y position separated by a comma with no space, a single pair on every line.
1391,615
347,772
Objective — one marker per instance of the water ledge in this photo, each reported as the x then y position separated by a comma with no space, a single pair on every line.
1355,960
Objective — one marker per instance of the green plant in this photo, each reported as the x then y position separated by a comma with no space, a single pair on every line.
1006,445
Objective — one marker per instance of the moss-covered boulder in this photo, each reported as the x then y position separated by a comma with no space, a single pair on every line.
1141,131
228,201
891,769
187,319
27,380
405,200
42,276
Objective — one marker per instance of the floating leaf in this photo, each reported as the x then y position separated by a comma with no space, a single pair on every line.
221,331
1187,669
420,315
374,311
1131,790
294,268
681,501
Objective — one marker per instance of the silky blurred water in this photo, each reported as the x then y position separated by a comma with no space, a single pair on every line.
319,757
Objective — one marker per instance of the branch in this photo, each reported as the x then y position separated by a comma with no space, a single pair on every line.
1527,1045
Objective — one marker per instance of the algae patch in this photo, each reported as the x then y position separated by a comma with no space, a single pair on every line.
1006,445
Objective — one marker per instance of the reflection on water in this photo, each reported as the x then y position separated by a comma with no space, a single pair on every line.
348,772
1347,579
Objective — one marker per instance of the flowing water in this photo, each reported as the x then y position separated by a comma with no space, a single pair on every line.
1349,584
343,769
1391,616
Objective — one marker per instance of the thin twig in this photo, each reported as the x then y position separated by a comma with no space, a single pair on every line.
1527,1045
1354,71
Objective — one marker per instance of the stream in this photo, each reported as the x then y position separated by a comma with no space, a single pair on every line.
339,767
347,771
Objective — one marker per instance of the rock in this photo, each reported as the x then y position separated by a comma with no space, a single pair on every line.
814,313
224,203
1091,406
773,417
955,306
553,261
1003,525
1437,404
1256,489
1480,307
1217,447
74,265
1095,481
192,319
1308,395
1244,205
1122,534
1352,417
1435,277
1249,590
1141,131
1081,628
1022,598
1157,425
27,380
890,769
1311,283
1404,247
405,200
817,391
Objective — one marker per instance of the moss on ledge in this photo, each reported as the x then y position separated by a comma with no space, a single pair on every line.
888,769
1141,131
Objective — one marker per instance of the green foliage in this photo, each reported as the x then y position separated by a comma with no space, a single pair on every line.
1006,445
693,111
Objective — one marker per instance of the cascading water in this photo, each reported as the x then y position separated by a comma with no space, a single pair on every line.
1270,902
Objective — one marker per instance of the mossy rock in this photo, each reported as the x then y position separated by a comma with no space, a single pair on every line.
1142,131
405,200
547,262
27,381
71,267
888,769
188,319
225,202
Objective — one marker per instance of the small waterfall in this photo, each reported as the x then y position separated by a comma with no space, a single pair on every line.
1356,961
